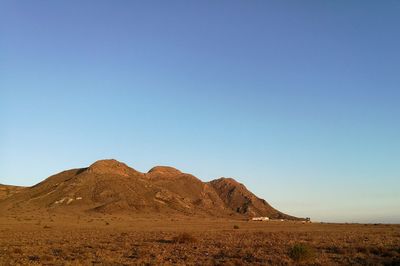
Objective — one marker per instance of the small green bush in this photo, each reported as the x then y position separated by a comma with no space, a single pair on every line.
301,252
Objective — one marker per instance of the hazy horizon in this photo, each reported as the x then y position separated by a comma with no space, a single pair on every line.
297,101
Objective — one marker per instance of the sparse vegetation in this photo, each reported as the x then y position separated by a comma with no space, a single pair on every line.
18,251
301,252
184,238
236,226
56,252
33,258
195,242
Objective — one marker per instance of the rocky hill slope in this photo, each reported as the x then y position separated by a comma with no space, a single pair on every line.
109,186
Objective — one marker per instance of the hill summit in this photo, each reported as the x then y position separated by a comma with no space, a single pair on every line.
110,186
111,166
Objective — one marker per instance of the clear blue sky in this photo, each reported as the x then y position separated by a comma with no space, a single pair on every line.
298,100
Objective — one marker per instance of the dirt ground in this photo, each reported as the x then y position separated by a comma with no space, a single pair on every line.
114,240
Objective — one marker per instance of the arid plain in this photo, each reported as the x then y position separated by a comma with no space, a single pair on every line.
110,214
115,240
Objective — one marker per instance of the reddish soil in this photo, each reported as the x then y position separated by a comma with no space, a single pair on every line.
118,240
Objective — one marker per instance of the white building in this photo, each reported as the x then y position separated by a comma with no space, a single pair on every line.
260,219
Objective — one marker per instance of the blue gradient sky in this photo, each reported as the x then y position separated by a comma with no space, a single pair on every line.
300,101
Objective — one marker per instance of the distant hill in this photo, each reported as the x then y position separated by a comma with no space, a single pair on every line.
109,186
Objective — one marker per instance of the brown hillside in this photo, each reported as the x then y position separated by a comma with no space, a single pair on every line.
109,186
6,191
236,197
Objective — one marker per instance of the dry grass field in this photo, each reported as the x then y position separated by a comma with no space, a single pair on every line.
117,240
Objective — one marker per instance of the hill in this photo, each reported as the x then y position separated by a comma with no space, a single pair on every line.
238,198
7,191
109,187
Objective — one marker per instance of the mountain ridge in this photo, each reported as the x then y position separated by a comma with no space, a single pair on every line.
109,186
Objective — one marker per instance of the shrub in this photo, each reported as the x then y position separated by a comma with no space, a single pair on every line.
235,227
301,252
18,251
336,250
33,258
184,238
56,252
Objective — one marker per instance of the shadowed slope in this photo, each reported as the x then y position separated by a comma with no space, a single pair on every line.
236,197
